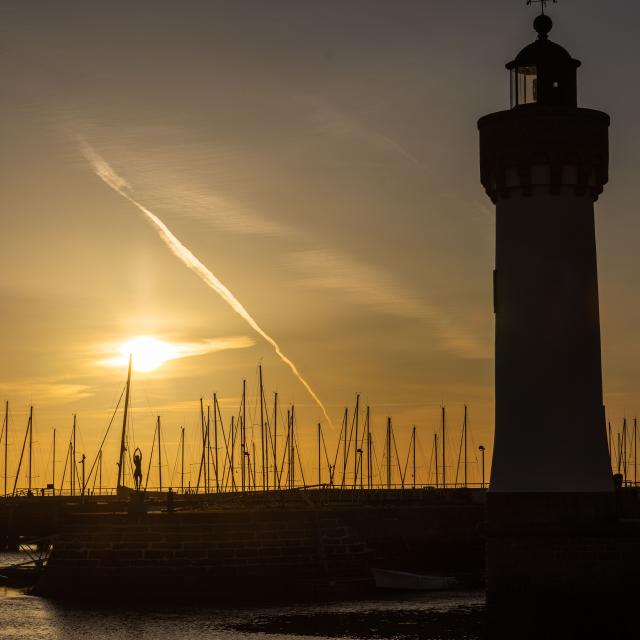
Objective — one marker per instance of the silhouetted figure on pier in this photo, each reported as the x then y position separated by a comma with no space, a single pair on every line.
137,469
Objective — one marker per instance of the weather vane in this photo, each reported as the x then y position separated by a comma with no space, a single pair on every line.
543,3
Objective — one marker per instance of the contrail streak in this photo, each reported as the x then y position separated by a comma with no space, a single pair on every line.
104,171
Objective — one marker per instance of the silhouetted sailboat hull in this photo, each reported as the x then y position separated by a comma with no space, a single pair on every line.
403,580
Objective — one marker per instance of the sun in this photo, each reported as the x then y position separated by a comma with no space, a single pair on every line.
148,353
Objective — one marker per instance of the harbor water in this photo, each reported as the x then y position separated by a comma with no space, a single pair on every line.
437,616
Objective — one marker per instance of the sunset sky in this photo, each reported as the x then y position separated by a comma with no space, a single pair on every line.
321,160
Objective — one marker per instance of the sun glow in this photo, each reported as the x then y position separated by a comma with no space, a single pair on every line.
148,353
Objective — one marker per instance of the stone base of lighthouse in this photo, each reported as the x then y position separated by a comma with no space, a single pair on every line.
562,565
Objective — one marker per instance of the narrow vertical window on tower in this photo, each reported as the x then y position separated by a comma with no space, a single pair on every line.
526,85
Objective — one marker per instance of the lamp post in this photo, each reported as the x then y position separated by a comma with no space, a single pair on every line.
481,448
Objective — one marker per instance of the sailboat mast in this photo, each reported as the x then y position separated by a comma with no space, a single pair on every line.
635,451
215,440
465,446
624,449
288,446
319,455
293,447
182,460
203,435
159,456
124,427
233,453
355,447
6,444
444,456
388,453
30,444
262,440
208,474
435,449
243,431
369,462
344,449
53,473
368,434
414,456
70,460
276,475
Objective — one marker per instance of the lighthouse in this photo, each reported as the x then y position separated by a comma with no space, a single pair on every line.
544,164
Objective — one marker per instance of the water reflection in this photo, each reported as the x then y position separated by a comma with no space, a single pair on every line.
442,616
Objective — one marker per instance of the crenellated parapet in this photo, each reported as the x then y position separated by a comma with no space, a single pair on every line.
554,147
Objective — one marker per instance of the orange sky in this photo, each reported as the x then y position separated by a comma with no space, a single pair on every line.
321,162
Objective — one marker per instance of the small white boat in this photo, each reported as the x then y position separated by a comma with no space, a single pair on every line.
386,579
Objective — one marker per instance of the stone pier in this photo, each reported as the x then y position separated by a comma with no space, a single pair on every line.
262,553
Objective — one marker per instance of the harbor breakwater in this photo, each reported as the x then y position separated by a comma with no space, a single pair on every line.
295,549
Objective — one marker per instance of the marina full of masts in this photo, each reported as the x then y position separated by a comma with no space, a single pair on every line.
263,452
258,448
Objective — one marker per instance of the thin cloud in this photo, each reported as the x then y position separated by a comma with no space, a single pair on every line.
179,193
161,178
361,283
373,287
330,120
50,390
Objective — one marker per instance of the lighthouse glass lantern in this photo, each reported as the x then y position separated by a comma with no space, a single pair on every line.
543,73
524,85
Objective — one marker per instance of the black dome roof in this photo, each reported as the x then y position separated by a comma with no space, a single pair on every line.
543,51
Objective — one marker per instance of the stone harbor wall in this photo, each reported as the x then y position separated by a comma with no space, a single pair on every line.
258,553
563,565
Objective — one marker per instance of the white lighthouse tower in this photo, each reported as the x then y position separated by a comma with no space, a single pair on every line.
544,163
